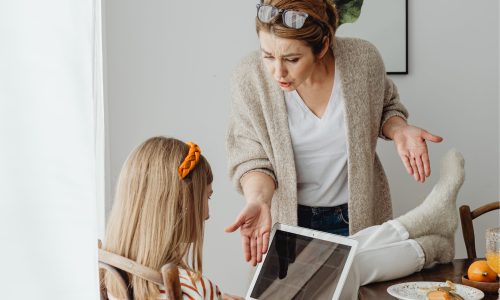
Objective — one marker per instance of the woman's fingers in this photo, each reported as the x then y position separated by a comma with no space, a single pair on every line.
427,164
430,137
245,244
265,242
253,250
262,244
413,164
412,147
254,223
406,162
259,248
420,168
237,224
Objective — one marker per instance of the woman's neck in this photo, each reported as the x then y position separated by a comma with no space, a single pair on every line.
317,91
323,73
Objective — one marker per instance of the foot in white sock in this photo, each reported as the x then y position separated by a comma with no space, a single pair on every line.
437,214
437,248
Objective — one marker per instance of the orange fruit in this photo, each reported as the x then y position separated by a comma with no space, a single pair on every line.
480,271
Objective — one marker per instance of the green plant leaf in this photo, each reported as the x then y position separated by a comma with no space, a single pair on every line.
348,10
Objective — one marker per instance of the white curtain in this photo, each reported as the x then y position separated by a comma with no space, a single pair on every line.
50,148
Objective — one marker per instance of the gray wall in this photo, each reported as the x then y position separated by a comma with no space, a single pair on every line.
167,66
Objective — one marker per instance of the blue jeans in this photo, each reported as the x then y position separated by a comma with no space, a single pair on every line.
328,219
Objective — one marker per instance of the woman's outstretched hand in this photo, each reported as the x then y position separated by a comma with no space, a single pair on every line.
254,222
412,149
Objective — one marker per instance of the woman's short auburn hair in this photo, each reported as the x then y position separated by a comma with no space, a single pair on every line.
321,23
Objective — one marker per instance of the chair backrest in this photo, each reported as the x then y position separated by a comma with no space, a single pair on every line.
466,217
119,266
120,278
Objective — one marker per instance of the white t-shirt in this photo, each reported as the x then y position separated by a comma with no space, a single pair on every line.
320,149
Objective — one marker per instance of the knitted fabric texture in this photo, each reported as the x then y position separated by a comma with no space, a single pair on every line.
258,137
190,161
437,214
437,249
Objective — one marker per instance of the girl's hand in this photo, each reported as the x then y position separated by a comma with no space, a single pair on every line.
231,297
412,148
254,223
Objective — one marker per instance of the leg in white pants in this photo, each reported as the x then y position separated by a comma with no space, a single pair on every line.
384,253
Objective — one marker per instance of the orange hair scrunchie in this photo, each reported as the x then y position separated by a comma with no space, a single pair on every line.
190,161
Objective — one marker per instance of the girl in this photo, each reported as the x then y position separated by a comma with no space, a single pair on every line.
158,216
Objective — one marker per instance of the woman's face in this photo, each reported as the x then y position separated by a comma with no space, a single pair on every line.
290,62
208,193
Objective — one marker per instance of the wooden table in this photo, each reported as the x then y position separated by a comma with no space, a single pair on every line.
452,271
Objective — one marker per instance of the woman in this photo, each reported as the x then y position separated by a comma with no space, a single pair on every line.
305,117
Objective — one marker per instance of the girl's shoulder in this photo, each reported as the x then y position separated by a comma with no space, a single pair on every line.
202,288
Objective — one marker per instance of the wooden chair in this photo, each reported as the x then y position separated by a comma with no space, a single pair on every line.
466,217
119,267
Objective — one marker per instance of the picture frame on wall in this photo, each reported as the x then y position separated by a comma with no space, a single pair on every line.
384,23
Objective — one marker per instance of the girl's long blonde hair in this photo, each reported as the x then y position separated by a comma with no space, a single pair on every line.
157,217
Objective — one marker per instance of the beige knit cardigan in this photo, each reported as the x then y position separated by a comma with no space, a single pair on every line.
258,137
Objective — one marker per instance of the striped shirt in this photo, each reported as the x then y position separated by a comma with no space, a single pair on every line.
201,289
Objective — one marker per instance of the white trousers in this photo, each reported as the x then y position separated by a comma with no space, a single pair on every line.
384,253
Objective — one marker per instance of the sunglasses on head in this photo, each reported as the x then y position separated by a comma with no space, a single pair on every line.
290,18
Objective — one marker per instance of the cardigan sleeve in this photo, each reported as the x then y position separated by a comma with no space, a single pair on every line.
392,105
244,148
364,52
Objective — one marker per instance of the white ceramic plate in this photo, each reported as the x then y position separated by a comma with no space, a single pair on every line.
411,290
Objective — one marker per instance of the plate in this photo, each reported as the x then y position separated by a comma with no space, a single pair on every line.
411,290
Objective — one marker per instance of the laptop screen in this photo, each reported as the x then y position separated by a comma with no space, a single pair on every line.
300,267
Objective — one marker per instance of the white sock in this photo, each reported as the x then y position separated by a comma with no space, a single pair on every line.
437,214
437,248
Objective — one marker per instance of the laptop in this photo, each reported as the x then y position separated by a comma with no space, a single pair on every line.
302,263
